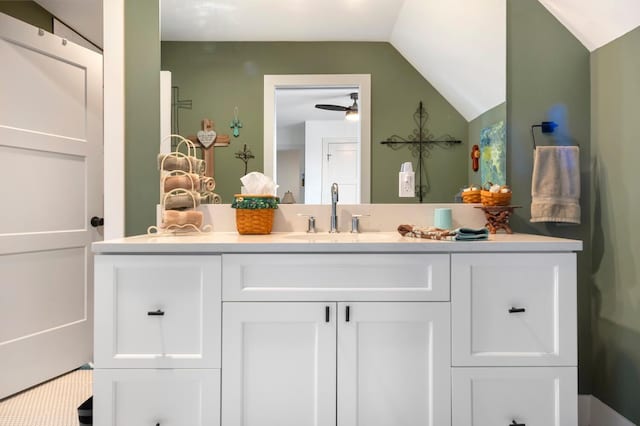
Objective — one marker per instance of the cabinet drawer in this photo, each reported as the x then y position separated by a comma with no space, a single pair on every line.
157,312
151,397
514,309
531,396
318,277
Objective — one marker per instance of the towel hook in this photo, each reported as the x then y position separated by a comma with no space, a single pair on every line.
545,127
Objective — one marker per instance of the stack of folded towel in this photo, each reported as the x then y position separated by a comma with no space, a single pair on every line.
470,234
431,233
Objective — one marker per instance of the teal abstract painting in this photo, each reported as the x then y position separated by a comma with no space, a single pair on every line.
493,154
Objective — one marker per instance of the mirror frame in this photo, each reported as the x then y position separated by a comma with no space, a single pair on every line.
362,81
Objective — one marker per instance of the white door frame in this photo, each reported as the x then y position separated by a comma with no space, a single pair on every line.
114,90
361,81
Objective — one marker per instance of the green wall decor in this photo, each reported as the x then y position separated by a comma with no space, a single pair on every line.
236,124
493,154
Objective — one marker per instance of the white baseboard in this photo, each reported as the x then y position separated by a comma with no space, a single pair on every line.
584,410
593,412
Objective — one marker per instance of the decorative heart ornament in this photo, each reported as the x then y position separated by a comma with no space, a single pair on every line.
207,137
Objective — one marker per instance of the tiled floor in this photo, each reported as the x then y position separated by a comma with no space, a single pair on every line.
54,403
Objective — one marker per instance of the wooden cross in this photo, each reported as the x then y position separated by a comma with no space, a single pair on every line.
208,139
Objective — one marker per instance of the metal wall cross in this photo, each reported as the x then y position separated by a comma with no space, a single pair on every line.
419,144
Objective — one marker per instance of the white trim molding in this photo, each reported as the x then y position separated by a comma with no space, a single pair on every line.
593,412
113,57
362,81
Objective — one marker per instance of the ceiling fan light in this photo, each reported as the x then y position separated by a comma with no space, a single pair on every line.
352,115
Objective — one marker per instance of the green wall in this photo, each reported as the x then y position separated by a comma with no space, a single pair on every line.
548,78
494,115
29,12
142,114
615,121
218,76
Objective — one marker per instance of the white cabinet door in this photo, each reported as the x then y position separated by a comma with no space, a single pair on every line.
531,396
279,364
156,397
393,364
157,311
514,309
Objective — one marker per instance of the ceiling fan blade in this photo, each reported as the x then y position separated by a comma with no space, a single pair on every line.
332,107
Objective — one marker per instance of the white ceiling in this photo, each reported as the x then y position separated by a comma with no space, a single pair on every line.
295,106
596,22
278,20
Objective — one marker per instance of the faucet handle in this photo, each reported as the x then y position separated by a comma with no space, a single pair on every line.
355,222
311,222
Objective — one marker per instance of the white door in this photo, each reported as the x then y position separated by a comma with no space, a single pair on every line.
393,364
340,164
51,174
278,364
506,396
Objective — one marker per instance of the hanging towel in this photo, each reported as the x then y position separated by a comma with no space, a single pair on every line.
555,184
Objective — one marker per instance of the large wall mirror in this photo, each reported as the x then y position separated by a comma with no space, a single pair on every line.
452,58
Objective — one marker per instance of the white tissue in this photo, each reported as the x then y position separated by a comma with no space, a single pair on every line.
257,183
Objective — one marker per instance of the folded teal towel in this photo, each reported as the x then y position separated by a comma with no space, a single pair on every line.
470,234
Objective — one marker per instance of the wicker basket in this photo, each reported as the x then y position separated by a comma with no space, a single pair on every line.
489,198
471,196
254,221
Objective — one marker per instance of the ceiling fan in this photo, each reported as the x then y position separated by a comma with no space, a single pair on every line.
351,111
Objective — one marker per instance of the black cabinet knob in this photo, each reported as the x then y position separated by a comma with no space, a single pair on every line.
97,221
157,313
516,310
514,423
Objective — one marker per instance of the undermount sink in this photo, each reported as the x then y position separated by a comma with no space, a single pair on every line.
381,237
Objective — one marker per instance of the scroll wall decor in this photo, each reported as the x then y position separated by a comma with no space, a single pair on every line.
420,143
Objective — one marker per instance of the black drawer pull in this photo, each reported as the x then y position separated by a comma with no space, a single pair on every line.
157,313
348,311
514,423
516,310
326,314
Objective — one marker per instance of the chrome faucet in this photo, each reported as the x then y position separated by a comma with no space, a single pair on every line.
334,202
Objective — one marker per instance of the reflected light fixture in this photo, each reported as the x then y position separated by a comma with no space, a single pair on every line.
352,115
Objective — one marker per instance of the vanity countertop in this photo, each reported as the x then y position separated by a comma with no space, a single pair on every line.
301,242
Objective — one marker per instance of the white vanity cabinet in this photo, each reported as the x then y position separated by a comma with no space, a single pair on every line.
157,340
281,361
515,310
327,353
198,332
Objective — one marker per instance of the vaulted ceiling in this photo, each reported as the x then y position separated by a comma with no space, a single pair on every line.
457,45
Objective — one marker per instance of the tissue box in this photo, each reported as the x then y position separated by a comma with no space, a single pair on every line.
254,213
